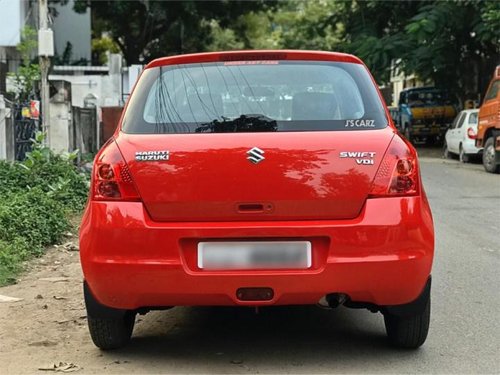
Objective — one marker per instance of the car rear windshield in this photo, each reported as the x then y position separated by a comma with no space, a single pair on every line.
254,96
473,118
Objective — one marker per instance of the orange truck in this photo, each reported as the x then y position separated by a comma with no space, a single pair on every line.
488,130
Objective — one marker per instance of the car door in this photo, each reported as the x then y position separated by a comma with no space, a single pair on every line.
461,130
472,123
452,136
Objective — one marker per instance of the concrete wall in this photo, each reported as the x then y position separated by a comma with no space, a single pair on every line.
108,89
60,123
6,133
130,77
105,88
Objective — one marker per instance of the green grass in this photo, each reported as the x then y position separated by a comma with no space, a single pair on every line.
37,198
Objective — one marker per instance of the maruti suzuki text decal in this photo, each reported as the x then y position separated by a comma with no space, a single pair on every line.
152,155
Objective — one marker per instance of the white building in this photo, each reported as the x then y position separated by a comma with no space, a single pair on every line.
14,15
400,81
75,29
90,86
68,26
109,85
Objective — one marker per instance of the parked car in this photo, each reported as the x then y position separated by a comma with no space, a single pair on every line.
256,178
460,139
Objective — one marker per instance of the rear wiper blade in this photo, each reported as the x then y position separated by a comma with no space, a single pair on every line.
244,123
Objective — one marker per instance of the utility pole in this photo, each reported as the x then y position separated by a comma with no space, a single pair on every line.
45,51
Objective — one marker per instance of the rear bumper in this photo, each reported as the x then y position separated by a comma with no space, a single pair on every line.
383,257
469,146
429,129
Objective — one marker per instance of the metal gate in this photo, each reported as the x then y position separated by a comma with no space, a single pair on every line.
84,129
25,129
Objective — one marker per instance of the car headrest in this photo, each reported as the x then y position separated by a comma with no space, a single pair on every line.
313,105
203,107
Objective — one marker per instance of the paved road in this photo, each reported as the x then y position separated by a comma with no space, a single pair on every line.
464,335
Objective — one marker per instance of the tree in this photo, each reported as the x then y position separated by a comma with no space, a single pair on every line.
100,47
309,25
148,29
456,44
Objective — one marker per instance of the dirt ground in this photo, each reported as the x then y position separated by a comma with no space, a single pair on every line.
47,327
37,330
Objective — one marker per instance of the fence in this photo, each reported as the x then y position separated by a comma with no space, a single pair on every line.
24,129
71,128
110,119
83,130
17,129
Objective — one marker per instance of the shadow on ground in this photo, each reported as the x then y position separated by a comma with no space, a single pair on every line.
276,336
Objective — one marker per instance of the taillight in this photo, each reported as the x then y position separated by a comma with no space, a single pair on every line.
471,133
398,172
111,178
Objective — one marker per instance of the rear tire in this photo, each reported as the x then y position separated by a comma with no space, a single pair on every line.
489,157
462,156
446,152
111,333
408,332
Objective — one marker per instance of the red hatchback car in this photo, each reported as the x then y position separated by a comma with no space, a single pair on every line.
256,178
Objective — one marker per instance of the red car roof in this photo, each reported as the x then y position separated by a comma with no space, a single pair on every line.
254,55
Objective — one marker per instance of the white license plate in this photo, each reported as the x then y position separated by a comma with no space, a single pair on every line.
244,255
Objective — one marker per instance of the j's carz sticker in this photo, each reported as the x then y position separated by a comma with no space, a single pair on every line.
360,123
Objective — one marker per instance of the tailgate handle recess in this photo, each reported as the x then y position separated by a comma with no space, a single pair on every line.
254,207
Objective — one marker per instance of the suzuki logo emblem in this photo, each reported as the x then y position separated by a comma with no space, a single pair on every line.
255,155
